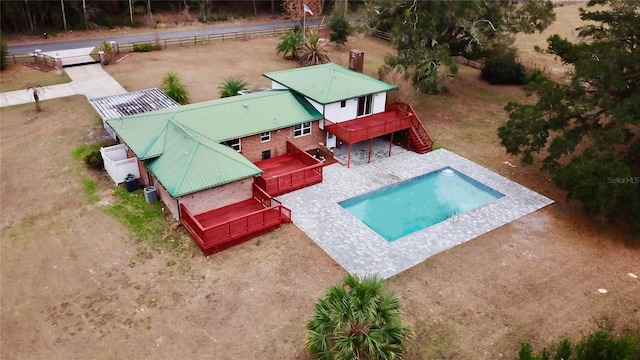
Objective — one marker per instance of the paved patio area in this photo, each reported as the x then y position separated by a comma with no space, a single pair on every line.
360,250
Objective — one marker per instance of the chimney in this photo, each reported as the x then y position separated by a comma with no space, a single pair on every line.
356,60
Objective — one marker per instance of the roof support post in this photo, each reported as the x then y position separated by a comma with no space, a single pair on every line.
370,149
349,157
390,144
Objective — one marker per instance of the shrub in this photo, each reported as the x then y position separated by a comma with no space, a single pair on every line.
231,87
313,50
289,43
598,345
93,159
173,88
503,68
143,47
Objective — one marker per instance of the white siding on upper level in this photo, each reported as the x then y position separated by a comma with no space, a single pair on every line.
277,86
335,113
316,105
379,102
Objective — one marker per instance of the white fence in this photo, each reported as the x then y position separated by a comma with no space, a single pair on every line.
117,164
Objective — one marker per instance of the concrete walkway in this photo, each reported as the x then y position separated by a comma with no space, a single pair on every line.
88,80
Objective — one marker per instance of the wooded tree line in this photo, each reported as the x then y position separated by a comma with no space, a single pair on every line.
35,16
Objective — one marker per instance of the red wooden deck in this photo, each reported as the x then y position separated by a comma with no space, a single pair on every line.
368,127
398,116
230,225
292,171
279,165
229,212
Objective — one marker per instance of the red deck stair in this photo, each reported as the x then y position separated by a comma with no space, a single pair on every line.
420,139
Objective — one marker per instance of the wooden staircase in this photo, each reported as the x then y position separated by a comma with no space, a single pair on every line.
420,139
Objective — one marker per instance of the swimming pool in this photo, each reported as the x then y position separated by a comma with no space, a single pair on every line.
401,209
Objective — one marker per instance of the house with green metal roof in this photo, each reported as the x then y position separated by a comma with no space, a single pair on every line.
189,150
211,161
339,93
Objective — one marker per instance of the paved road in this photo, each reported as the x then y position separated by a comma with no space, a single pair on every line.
47,46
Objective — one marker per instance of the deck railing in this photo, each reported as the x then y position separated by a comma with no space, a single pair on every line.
395,119
267,201
216,236
295,179
419,127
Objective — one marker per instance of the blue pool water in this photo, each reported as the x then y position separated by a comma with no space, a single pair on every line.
404,208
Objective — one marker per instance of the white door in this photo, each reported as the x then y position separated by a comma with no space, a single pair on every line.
331,141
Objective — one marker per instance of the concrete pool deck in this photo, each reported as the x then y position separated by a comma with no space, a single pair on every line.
360,250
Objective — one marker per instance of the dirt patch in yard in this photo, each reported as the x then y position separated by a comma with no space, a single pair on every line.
75,283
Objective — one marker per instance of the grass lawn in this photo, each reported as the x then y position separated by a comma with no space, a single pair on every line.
17,76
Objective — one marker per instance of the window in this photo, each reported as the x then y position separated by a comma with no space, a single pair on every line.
266,154
265,137
302,129
234,144
343,103
365,105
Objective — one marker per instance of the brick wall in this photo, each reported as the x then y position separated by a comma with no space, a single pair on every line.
168,201
219,196
252,148
144,177
206,200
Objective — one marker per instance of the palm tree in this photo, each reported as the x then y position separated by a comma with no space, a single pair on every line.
38,92
356,320
313,52
173,88
289,43
231,86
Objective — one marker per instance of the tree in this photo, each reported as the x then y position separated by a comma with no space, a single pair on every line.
64,15
289,43
28,13
4,51
428,34
85,14
149,13
338,25
589,127
355,320
231,87
313,50
173,88
405,92
294,9
37,92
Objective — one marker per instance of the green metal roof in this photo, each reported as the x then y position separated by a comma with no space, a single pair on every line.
191,163
244,115
219,120
144,134
329,83
181,145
